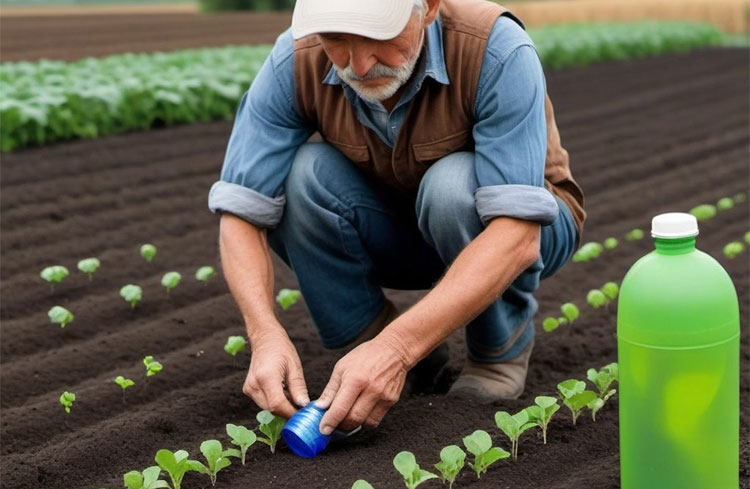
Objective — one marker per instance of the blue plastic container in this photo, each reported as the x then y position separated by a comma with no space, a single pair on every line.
302,435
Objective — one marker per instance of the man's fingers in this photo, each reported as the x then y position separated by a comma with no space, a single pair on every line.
297,387
326,398
276,401
377,414
345,398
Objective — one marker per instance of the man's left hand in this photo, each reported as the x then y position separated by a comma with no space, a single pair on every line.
365,383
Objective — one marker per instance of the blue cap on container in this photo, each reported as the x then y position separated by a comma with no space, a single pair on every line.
302,435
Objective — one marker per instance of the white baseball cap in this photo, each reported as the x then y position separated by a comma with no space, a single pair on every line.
376,19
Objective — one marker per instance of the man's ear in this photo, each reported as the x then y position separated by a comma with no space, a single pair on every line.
433,6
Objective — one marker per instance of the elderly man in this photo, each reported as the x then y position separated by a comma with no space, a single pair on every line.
440,168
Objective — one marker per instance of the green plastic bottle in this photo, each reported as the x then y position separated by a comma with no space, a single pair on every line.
678,343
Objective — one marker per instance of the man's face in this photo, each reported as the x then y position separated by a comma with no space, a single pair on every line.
376,69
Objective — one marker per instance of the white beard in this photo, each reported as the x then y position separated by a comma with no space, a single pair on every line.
399,76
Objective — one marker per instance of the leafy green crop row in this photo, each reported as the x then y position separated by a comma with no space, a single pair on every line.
48,101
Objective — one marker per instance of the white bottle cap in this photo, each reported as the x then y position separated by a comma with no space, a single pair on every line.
674,225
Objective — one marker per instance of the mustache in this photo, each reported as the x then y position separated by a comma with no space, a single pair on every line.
377,70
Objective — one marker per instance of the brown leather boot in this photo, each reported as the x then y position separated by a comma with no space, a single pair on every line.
488,382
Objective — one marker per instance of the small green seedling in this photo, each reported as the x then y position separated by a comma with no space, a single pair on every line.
610,243
479,444
596,298
216,457
541,414
588,251
123,382
634,235
407,466
739,197
747,237
242,437
514,426
148,252
54,275
550,324
703,212
234,345
148,479
574,395
733,249
602,380
270,425
204,274
610,289
570,311
67,399
89,266
563,321
170,280
177,465
152,367
725,203
361,484
452,460
288,297
132,294
60,315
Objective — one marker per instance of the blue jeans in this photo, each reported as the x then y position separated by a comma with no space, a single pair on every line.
345,236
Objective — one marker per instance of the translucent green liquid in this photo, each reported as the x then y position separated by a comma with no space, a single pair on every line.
675,428
678,354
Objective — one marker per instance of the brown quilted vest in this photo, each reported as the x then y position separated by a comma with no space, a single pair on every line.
439,119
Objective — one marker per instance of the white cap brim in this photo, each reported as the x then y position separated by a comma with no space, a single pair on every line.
376,19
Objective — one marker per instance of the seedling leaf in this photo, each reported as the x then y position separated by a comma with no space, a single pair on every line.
407,466
610,289
216,458
175,464
123,382
152,367
610,243
89,266
634,235
234,345
132,294
703,212
54,274
170,280
60,315
550,324
733,249
148,252
452,460
479,444
270,425
242,437
361,484
288,297
570,311
596,298
725,203
67,399
204,274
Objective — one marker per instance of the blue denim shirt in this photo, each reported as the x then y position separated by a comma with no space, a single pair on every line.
510,133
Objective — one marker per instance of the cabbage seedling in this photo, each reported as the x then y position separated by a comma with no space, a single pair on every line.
407,466
550,324
54,275
170,280
634,235
725,203
479,444
596,298
148,252
602,380
733,249
270,425
747,237
177,465
570,311
452,460
361,484
89,266
597,403
123,382
67,399
152,366
610,289
234,345
60,315
739,197
542,413
588,251
575,396
204,274
703,212
132,294
216,457
148,479
610,243
287,298
513,426
242,437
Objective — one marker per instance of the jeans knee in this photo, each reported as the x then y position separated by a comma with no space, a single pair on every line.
445,198
305,175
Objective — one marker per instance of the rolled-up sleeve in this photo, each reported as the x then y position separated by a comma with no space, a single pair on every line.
510,135
266,134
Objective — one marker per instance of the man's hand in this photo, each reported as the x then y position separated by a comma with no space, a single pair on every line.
364,384
275,364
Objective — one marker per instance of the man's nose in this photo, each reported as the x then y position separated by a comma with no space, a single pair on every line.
361,59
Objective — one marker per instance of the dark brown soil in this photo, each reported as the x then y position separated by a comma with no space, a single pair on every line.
645,137
71,37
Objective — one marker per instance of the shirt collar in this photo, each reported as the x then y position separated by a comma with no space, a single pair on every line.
434,66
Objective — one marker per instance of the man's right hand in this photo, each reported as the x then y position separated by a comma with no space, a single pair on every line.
275,364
